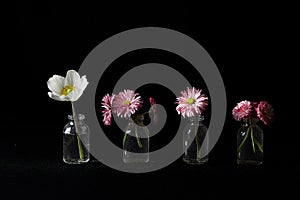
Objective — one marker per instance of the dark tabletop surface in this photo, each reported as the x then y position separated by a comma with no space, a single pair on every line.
52,177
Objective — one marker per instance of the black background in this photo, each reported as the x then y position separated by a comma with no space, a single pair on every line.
251,48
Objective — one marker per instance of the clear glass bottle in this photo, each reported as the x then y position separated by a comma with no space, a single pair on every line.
74,150
195,141
250,143
136,142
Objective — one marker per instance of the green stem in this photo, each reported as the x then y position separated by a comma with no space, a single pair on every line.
137,138
258,145
242,143
145,113
81,155
124,139
252,139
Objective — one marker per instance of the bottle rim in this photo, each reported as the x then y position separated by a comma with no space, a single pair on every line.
80,117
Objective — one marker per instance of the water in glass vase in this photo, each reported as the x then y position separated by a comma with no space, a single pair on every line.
195,141
74,151
250,143
136,143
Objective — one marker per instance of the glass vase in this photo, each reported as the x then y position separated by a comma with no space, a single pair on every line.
195,141
250,143
74,151
136,142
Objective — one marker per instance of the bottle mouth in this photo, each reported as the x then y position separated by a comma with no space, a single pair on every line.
80,117
197,118
251,119
139,120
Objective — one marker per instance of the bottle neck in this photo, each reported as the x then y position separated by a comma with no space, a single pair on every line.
138,119
196,119
250,121
80,118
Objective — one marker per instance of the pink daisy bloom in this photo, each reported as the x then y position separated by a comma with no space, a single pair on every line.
242,110
191,103
126,103
265,112
253,113
107,105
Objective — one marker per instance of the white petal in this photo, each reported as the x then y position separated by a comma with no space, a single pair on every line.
83,83
74,95
56,84
71,78
79,88
57,97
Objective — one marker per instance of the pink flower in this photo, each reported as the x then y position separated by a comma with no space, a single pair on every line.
126,103
152,101
107,105
191,103
242,110
253,113
153,108
265,112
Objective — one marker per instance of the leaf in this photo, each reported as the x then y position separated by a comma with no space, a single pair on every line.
252,140
260,147
242,143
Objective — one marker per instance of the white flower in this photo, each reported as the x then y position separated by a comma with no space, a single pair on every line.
67,89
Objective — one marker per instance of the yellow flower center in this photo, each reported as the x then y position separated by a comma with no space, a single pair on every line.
190,101
126,103
67,90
